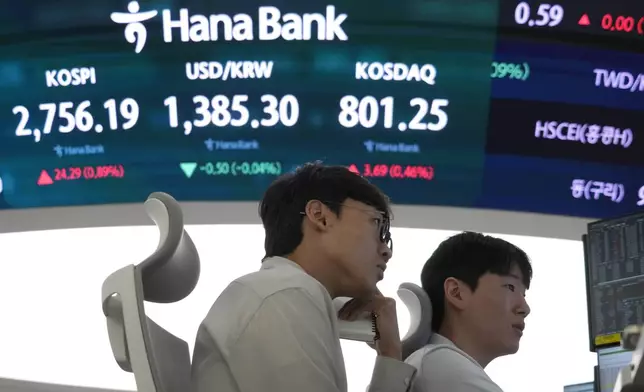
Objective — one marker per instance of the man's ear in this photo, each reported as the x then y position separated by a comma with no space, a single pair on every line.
456,293
317,214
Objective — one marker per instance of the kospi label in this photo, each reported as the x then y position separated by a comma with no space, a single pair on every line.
64,77
271,25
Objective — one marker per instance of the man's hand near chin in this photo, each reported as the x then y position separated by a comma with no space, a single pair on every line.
388,343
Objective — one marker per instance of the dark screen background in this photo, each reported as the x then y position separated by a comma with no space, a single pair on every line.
486,156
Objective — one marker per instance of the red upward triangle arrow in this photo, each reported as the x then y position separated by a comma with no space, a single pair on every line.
584,20
44,179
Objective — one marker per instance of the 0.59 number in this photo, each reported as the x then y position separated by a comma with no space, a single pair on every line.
548,14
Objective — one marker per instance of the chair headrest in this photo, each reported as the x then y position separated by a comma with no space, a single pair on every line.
420,310
172,271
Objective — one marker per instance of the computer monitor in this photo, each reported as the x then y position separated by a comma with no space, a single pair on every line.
614,255
584,387
610,361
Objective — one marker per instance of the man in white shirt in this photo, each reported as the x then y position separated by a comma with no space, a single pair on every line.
477,286
275,330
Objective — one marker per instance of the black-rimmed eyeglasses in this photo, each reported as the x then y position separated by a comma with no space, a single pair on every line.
384,223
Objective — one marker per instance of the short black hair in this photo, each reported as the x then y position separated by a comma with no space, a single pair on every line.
285,199
468,256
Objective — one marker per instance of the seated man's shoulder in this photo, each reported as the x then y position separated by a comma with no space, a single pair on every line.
266,283
441,356
266,287
445,367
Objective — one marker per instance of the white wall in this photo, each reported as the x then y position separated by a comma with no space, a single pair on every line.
52,328
225,213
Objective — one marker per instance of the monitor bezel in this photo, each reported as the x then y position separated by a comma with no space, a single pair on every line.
589,307
618,218
596,381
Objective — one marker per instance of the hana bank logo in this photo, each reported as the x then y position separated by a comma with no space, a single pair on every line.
135,31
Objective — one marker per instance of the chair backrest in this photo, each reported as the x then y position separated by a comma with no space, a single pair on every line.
420,310
159,360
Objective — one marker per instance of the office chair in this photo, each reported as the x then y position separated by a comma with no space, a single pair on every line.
159,360
420,310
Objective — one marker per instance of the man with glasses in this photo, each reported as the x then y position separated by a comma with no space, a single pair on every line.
275,330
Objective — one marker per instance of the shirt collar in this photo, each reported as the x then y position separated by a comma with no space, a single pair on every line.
440,339
279,262
282,263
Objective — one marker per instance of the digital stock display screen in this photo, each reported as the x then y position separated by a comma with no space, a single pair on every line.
474,103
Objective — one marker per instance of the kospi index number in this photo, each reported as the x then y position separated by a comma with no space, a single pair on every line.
538,15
